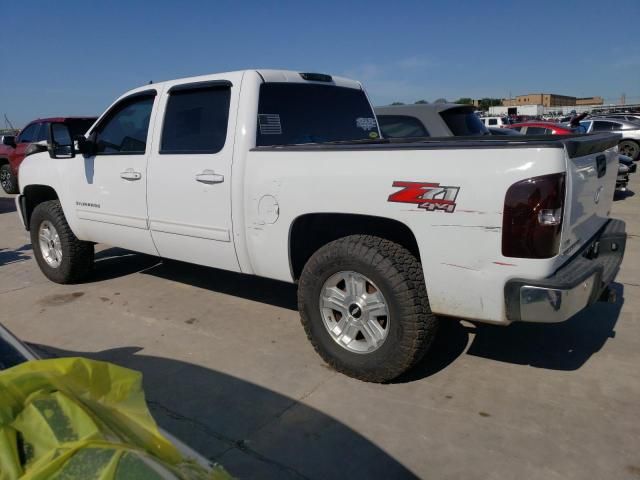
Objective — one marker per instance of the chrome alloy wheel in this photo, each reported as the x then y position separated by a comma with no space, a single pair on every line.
50,244
354,312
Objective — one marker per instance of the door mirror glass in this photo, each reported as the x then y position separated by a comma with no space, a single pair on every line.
9,140
60,141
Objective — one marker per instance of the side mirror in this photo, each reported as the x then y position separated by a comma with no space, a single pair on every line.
9,140
60,143
87,146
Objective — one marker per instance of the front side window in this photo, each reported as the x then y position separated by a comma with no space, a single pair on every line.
463,122
298,113
29,134
124,130
401,126
196,120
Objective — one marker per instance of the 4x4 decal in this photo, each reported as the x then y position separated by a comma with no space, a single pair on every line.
430,196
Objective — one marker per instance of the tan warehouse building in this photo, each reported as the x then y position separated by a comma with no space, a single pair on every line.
550,100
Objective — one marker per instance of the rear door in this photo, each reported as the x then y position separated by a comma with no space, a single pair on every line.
190,173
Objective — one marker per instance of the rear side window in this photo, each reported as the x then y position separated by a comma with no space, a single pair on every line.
538,131
298,113
493,121
599,126
463,122
401,126
196,120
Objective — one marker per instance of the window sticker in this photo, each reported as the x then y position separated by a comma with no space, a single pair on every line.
269,124
366,123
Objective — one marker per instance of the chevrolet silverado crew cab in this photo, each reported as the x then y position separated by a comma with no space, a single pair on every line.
284,175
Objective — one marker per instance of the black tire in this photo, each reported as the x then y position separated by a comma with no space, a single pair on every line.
77,255
398,275
630,148
8,180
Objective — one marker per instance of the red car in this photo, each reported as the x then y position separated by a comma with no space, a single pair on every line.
542,128
12,149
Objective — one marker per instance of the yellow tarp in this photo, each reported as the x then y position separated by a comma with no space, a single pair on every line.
74,418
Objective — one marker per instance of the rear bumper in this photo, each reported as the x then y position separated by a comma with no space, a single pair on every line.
576,285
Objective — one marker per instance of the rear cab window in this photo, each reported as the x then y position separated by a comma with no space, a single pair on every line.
463,122
401,126
299,113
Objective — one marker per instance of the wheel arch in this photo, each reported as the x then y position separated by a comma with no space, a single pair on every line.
33,196
309,232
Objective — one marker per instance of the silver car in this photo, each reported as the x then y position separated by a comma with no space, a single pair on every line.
630,131
429,120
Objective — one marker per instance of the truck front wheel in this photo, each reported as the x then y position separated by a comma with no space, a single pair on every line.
60,255
364,306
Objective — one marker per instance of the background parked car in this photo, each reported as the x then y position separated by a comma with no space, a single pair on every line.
499,122
503,131
542,128
630,131
429,120
631,117
13,149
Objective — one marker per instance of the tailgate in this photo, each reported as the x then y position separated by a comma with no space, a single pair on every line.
592,168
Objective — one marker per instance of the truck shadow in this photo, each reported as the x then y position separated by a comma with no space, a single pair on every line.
618,195
252,431
7,205
117,262
555,346
561,346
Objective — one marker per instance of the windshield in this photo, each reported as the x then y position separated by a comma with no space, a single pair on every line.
463,122
290,113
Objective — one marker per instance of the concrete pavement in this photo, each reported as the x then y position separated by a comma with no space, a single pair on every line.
228,369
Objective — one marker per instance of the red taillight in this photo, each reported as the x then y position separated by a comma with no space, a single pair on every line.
532,219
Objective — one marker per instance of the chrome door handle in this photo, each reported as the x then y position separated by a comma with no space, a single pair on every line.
209,176
130,174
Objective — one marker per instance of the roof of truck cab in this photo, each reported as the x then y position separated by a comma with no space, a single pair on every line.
267,75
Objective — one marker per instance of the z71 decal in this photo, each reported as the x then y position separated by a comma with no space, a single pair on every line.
430,196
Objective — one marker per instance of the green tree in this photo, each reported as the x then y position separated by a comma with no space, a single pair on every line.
440,100
485,103
397,103
465,101
421,102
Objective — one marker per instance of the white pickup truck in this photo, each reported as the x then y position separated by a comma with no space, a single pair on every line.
284,175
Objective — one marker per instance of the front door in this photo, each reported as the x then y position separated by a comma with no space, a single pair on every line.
110,187
190,174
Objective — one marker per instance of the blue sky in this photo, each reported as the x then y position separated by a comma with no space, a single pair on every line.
69,57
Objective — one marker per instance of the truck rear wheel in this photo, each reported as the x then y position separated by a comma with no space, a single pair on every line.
8,179
60,255
364,306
